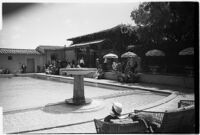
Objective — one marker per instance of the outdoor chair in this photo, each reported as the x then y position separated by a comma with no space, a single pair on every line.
184,103
120,127
181,120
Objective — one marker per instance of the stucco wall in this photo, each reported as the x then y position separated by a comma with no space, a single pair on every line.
14,65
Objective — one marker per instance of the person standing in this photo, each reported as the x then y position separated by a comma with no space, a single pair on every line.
23,67
105,64
82,62
73,64
97,63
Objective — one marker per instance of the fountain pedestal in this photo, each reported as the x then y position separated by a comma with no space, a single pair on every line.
78,92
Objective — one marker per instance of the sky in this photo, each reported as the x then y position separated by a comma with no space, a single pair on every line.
53,23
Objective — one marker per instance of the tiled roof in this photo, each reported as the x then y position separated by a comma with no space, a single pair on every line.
19,51
112,30
42,48
50,47
88,43
102,31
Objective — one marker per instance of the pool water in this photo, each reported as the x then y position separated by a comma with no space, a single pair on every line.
26,92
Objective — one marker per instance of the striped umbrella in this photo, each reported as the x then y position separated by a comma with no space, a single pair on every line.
155,52
129,55
187,51
110,55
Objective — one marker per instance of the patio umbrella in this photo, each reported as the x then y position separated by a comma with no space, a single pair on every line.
110,55
155,52
187,51
129,55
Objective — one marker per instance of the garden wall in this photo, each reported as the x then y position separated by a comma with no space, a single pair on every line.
182,81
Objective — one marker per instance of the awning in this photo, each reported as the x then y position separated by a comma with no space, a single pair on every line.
87,43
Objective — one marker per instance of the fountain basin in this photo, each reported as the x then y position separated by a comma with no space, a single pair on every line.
78,71
78,92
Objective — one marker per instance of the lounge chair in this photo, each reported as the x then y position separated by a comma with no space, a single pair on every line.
181,120
120,128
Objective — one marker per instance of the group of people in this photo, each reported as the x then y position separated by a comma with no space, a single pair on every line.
55,65
72,64
52,68
126,71
80,64
116,111
129,72
4,71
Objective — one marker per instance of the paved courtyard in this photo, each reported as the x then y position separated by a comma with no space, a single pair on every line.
37,106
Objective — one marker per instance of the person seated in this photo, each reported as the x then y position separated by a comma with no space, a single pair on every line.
97,63
99,74
114,66
115,113
78,66
68,65
130,76
119,67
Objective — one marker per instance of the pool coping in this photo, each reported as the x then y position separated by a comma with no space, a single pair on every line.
95,82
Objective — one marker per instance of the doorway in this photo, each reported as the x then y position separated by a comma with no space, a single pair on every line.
30,65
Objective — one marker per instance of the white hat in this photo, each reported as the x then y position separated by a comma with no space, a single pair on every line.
117,107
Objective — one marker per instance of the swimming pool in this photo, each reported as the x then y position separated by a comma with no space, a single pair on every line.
24,101
23,92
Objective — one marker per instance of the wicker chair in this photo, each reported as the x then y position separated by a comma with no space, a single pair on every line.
181,120
119,128
184,103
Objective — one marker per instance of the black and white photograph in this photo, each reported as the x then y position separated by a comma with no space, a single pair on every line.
81,67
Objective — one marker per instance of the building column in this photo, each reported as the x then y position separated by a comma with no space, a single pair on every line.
88,57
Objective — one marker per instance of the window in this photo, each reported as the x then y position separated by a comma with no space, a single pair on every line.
9,57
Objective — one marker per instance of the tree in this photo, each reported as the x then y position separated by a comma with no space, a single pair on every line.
162,23
125,35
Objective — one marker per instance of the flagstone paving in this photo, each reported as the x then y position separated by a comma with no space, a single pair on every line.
89,127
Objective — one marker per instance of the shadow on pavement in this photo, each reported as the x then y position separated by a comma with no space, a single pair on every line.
63,108
60,108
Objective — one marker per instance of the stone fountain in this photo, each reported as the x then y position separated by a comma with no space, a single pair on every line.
78,92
